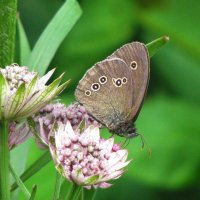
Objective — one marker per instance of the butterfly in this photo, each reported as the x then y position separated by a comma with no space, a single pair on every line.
113,90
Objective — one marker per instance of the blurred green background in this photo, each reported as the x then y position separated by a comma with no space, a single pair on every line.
169,119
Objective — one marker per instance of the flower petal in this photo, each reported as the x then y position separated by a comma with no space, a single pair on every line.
15,102
108,144
43,80
104,185
91,134
113,175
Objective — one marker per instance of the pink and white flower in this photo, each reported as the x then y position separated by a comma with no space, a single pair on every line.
23,93
59,113
84,158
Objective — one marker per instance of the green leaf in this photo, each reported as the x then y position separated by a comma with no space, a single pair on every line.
3,94
155,45
171,128
34,168
33,194
20,183
7,31
53,35
95,35
23,43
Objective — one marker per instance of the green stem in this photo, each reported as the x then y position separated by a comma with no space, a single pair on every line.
7,31
20,183
57,186
90,194
74,192
4,164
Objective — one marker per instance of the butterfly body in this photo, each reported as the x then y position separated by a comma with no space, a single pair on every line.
112,91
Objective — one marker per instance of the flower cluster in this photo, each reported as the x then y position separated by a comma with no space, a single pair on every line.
84,158
23,93
60,113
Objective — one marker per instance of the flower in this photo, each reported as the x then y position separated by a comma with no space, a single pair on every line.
18,133
84,158
23,93
59,113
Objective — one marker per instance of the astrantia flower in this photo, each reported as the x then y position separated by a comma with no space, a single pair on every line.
22,93
59,113
18,133
85,158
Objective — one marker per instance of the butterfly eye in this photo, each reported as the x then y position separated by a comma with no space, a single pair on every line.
103,79
87,92
95,86
124,80
117,82
133,65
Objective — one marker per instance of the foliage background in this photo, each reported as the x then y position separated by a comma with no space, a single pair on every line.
169,119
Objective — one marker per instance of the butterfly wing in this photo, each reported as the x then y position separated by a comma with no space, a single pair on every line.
112,101
131,53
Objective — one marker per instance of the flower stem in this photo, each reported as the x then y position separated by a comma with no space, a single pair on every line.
57,186
74,192
4,164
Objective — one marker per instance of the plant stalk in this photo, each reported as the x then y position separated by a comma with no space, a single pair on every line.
4,162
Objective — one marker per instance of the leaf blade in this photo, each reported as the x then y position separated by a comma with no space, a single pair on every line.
24,46
57,29
34,168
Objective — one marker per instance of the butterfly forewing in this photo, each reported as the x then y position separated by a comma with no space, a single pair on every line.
111,101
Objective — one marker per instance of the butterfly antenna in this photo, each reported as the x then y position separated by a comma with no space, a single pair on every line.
145,142
125,143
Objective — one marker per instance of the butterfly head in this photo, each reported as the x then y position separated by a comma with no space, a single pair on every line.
127,130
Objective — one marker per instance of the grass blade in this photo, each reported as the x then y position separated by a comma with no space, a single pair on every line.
34,168
53,35
33,193
20,183
23,43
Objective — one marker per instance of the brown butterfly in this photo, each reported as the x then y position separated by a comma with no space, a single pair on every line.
113,90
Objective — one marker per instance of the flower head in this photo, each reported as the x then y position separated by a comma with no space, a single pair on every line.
59,113
85,158
22,93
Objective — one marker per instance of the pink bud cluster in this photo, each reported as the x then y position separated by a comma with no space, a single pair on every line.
60,113
16,75
85,158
